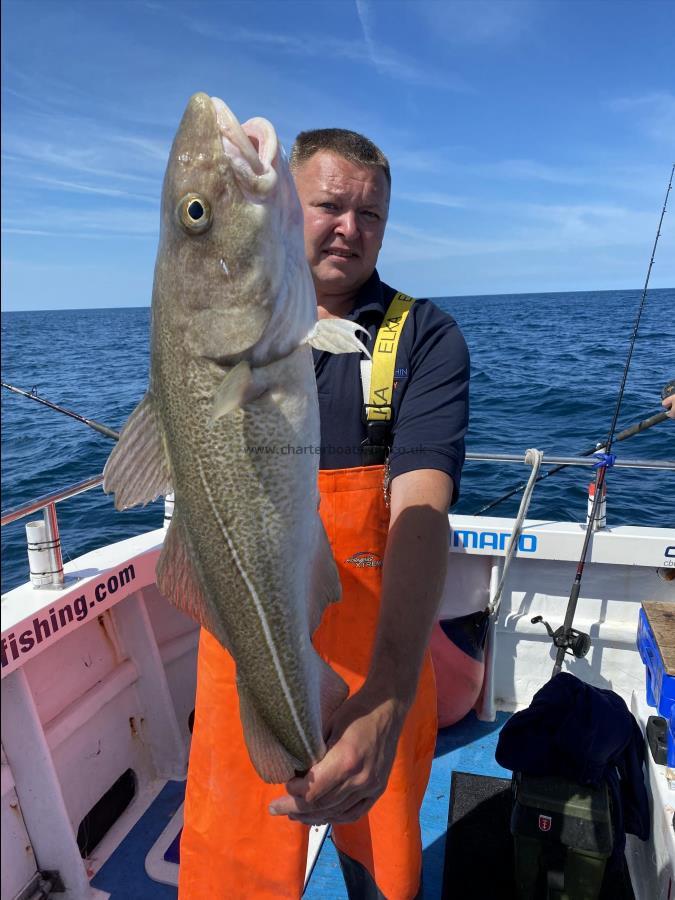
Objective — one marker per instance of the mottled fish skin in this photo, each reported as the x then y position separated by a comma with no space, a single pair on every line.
246,500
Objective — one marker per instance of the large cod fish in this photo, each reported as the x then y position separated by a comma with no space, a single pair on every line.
231,399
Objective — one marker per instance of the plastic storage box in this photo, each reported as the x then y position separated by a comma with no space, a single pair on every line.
656,643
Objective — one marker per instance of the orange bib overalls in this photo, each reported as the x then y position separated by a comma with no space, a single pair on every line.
232,848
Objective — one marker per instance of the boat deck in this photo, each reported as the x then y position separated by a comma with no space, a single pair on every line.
468,746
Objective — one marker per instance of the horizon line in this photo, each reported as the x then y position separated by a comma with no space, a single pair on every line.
637,290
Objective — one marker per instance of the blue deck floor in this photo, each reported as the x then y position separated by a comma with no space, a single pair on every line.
466,747
123,875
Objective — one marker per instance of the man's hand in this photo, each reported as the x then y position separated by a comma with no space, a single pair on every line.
342,787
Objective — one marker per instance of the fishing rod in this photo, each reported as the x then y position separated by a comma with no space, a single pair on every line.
566,638
638,428
92,423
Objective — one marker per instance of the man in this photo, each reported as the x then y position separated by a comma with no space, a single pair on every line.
390,544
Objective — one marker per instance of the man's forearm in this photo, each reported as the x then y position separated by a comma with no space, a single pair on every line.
413,575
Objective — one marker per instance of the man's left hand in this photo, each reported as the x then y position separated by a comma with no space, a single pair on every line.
344,785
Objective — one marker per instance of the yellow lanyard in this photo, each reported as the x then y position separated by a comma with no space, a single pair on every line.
378,407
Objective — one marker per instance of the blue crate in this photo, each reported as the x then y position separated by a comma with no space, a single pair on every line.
660,687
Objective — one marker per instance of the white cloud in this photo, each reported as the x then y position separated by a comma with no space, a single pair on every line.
97,157
79,188
53,221
531,170
479,21
444,160
432,198
387,62
654,113
410,244
366,17
523,230
591,177
154,149
433,161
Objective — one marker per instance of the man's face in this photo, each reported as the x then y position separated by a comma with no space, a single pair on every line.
345,207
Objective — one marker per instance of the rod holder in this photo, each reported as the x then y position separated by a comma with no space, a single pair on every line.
600,518
168,509
44,550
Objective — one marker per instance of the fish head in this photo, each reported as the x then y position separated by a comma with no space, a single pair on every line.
231,246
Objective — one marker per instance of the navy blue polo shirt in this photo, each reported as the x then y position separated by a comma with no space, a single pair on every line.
430,397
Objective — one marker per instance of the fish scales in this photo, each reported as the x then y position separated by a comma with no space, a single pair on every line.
244,505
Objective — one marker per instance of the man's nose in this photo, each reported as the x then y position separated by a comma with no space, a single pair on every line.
347,225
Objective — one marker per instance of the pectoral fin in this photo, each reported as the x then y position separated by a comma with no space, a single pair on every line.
137,471
336,336
231,392
239,387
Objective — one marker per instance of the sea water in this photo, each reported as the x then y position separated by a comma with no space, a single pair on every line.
546,370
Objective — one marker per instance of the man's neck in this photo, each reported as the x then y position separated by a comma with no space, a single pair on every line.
335,305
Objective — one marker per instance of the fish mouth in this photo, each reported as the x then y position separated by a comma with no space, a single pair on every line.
251,148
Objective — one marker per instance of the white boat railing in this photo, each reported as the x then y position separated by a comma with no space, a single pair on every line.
44,543
573,461
49,500
27,509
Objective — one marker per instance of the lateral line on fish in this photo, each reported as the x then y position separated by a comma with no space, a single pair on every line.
261,613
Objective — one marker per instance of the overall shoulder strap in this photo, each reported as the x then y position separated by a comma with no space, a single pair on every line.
377,376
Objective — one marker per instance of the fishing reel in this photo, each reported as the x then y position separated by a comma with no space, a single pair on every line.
575,642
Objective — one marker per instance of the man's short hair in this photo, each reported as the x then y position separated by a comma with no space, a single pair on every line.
350,145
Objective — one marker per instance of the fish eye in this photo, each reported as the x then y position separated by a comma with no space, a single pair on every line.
194,213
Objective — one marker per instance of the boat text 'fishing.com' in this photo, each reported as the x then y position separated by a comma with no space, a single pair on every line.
43,628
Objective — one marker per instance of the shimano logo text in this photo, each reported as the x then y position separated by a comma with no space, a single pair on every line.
491,540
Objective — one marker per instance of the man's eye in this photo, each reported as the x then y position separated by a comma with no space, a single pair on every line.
369,214
327,205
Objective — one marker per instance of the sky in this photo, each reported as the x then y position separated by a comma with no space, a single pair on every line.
530,141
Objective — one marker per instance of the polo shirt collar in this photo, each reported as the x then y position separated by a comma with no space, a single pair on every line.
370,299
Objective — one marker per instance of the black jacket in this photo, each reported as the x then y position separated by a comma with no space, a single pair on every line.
586,734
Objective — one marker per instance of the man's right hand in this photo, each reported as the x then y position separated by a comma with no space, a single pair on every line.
343,786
